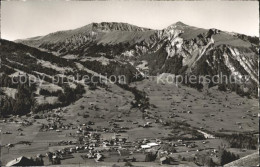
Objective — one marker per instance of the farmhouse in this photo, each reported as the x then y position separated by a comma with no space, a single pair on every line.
21,161
164,160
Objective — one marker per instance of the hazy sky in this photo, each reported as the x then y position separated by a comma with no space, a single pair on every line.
36,17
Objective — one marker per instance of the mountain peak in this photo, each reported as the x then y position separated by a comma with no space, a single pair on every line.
177,26
179,23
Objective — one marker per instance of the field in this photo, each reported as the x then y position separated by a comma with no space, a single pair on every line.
211,109
208,112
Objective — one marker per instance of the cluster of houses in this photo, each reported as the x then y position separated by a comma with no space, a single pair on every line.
88,139
90,143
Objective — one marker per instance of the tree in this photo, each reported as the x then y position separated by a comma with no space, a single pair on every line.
205,160
24,100
209,162
39,162
226,157
6,105
79,89
49,154
150,157
222,87
169,148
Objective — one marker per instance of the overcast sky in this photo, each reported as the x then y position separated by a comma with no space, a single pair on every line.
33,18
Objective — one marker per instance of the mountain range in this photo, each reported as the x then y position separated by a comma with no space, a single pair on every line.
123,49
207,115
177,49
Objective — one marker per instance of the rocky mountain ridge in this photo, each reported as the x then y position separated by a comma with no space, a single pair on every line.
177,49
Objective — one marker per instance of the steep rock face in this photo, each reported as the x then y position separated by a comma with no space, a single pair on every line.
114,26
178,49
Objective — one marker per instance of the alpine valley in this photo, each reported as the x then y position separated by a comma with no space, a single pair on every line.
140,122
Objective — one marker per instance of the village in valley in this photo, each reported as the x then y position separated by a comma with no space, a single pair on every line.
176,126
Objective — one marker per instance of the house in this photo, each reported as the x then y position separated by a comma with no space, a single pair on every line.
165,160
146,126
99,157
145,146
21,161
152,144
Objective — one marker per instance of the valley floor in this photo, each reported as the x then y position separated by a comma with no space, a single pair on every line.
102,116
